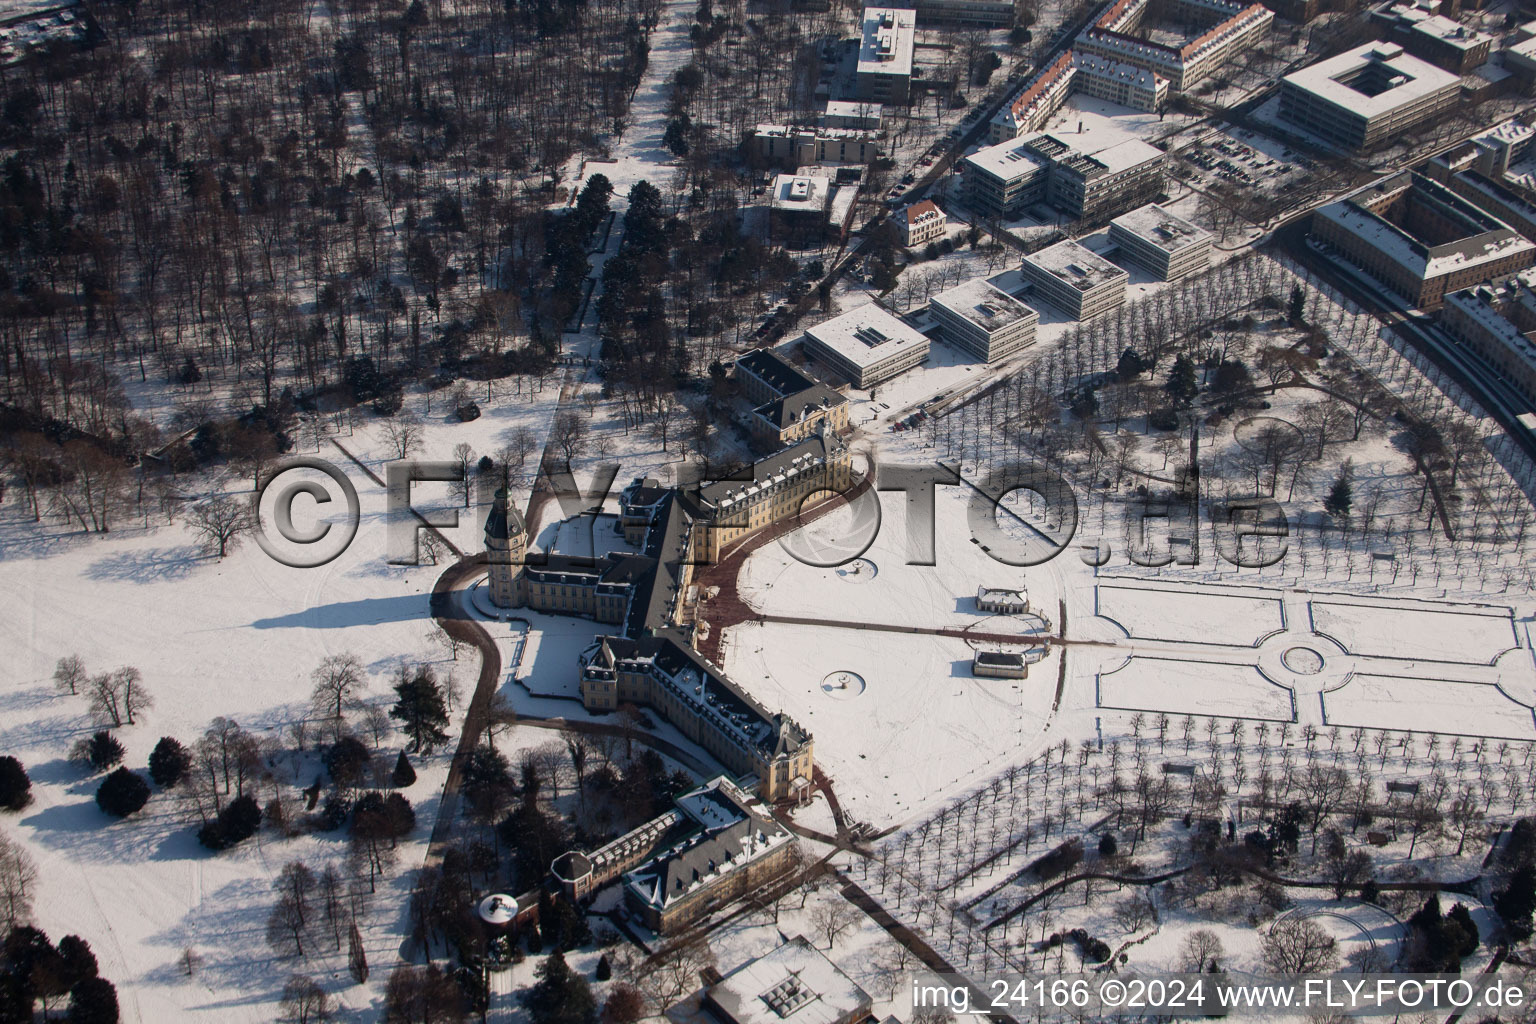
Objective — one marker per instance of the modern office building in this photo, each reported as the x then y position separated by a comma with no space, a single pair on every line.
867,345
1497,320
1420,239
988,323
1166,245
794,984
1002,180
887,39
1075,280
1444,42
1366,96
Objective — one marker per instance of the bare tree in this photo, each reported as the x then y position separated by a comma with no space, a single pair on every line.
674,972
339,681
304,1001
1201,950
833,919
1299,946
220,521
18,879
135,699
117,696
69,674
463,458
569,435
403,433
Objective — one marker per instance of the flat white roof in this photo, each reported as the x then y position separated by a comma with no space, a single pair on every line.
866,335
794,983
987,307
802,192
1008,159
1416,79
1130,153
888,37
854,108
1156,226
1076,265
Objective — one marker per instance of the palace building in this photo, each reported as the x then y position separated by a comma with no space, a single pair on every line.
649,658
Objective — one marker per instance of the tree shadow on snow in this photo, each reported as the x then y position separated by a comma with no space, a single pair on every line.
148,566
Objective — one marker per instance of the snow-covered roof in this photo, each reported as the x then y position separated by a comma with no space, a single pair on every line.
1008,160
1075,265
983,305
804,193
867,334
1486,239
920,212
887,39
1157,226
794,983
1409,79
854,108
730,837
1487,304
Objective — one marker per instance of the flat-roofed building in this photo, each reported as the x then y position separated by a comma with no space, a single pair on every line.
790,146
921,223
1156,240
983,320
1075,279
1420,239
867,345
999,665
799,207
984,13
1444,42
1497,320
1366,96
794,984
853,114
887,39
1003,180
1094,187
1520,60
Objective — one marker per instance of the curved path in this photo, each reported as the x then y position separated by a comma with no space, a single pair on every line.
459,625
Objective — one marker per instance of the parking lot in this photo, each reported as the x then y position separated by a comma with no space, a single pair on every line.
1224,158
